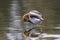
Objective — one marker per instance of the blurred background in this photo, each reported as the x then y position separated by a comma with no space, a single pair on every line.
11,24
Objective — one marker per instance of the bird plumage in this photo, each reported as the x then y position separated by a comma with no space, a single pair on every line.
33,17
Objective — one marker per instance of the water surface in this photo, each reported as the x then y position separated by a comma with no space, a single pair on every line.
12,27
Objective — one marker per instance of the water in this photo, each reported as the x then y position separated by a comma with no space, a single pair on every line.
15,28
12,27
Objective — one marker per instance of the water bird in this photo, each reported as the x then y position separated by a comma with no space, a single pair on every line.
33,17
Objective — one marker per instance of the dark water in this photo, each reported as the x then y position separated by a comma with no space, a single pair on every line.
11,26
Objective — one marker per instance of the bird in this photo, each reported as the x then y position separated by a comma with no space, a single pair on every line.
33,17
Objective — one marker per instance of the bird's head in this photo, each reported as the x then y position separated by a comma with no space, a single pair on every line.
25,17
